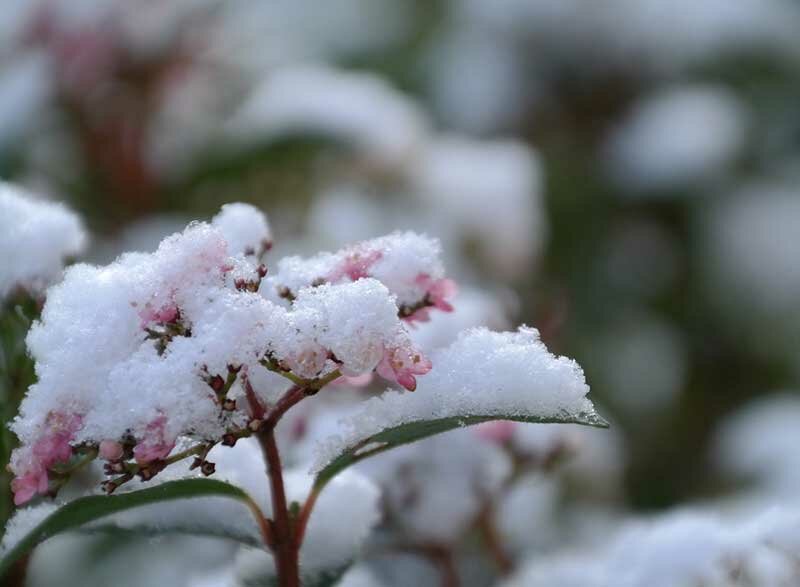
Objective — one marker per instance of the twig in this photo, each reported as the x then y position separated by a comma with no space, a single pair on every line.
283,547
491,539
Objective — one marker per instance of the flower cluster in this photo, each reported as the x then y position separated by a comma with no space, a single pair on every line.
407,264
185,347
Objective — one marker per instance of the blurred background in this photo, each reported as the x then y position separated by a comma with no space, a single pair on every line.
621,175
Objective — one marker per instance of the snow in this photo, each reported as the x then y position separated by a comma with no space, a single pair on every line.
756,443
678,135
244,227
396,260
92,331
418,482
489,190
36,236
22,522
342,518
137,341
680,549
482,373
358,108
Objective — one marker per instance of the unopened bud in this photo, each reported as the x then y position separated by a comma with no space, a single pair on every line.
151,470
217,383
111,450
115,468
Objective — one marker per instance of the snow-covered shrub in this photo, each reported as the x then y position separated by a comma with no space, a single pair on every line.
199,346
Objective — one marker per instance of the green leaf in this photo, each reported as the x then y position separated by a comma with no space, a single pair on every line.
412,431
76,513
16,374
148,531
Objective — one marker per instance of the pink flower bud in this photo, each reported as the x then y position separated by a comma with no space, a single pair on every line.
355,266
499,432
401,363
155,446
164,315
110,450
30,464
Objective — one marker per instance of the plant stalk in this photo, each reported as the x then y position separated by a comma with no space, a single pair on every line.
285,551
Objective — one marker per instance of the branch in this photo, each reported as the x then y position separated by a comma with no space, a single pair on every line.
305,514
283,547
492,540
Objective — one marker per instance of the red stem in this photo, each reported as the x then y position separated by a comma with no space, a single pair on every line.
305,514
287,559
493,542
440,556
285,549
447,568
295,394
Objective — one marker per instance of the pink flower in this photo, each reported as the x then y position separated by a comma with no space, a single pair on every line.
355,381
53,447
30,464
155,446
438,292
499,432
308,362
355,266
164,315
401,363
26,486
111,450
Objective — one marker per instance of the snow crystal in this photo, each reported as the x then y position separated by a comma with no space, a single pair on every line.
396,260
355,321
22,522
244,227
482,373
92,336
36,237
